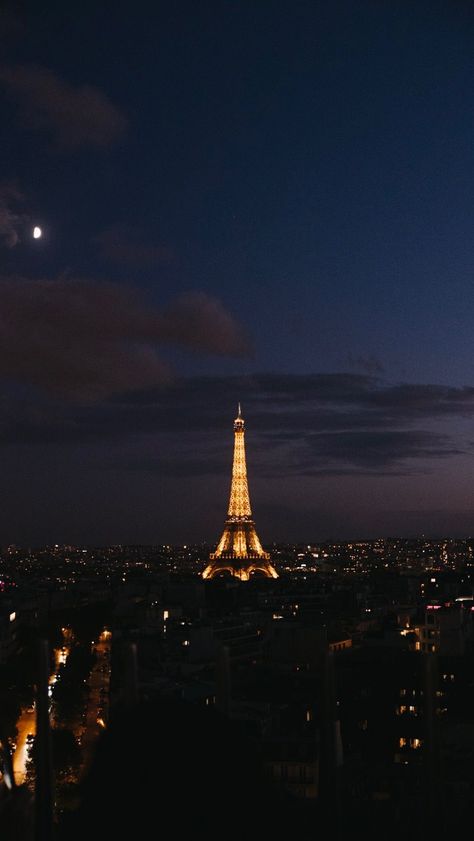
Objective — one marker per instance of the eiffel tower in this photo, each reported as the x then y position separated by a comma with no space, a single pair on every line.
239,551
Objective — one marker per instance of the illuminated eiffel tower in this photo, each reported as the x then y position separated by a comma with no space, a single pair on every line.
239,551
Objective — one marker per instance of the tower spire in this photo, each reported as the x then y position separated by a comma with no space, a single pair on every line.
239,551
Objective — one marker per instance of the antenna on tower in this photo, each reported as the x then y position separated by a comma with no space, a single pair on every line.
239,413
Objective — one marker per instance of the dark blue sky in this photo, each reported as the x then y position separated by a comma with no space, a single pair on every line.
268,202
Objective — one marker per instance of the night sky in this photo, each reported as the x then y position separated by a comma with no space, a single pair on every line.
267,202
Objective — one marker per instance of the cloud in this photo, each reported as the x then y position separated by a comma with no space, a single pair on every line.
369,363
89,340
285,406
373,449
199,321
73,116
11,219
297,425
123,246
369,398
321,424
333,450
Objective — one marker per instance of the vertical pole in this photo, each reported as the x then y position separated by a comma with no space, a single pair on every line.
433,809
331,749
131,675
223,685
6,764
44,764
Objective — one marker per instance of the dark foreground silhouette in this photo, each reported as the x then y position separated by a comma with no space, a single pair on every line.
171,768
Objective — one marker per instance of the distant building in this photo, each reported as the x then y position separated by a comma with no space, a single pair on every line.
293,763
9,625
445,629
292,646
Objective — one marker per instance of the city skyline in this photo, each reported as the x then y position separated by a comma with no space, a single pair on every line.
236,205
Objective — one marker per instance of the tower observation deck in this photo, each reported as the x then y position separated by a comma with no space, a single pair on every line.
239,551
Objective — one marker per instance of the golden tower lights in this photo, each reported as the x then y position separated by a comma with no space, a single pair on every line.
239,551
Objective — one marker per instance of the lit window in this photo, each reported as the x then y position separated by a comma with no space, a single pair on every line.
403,742
12,616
